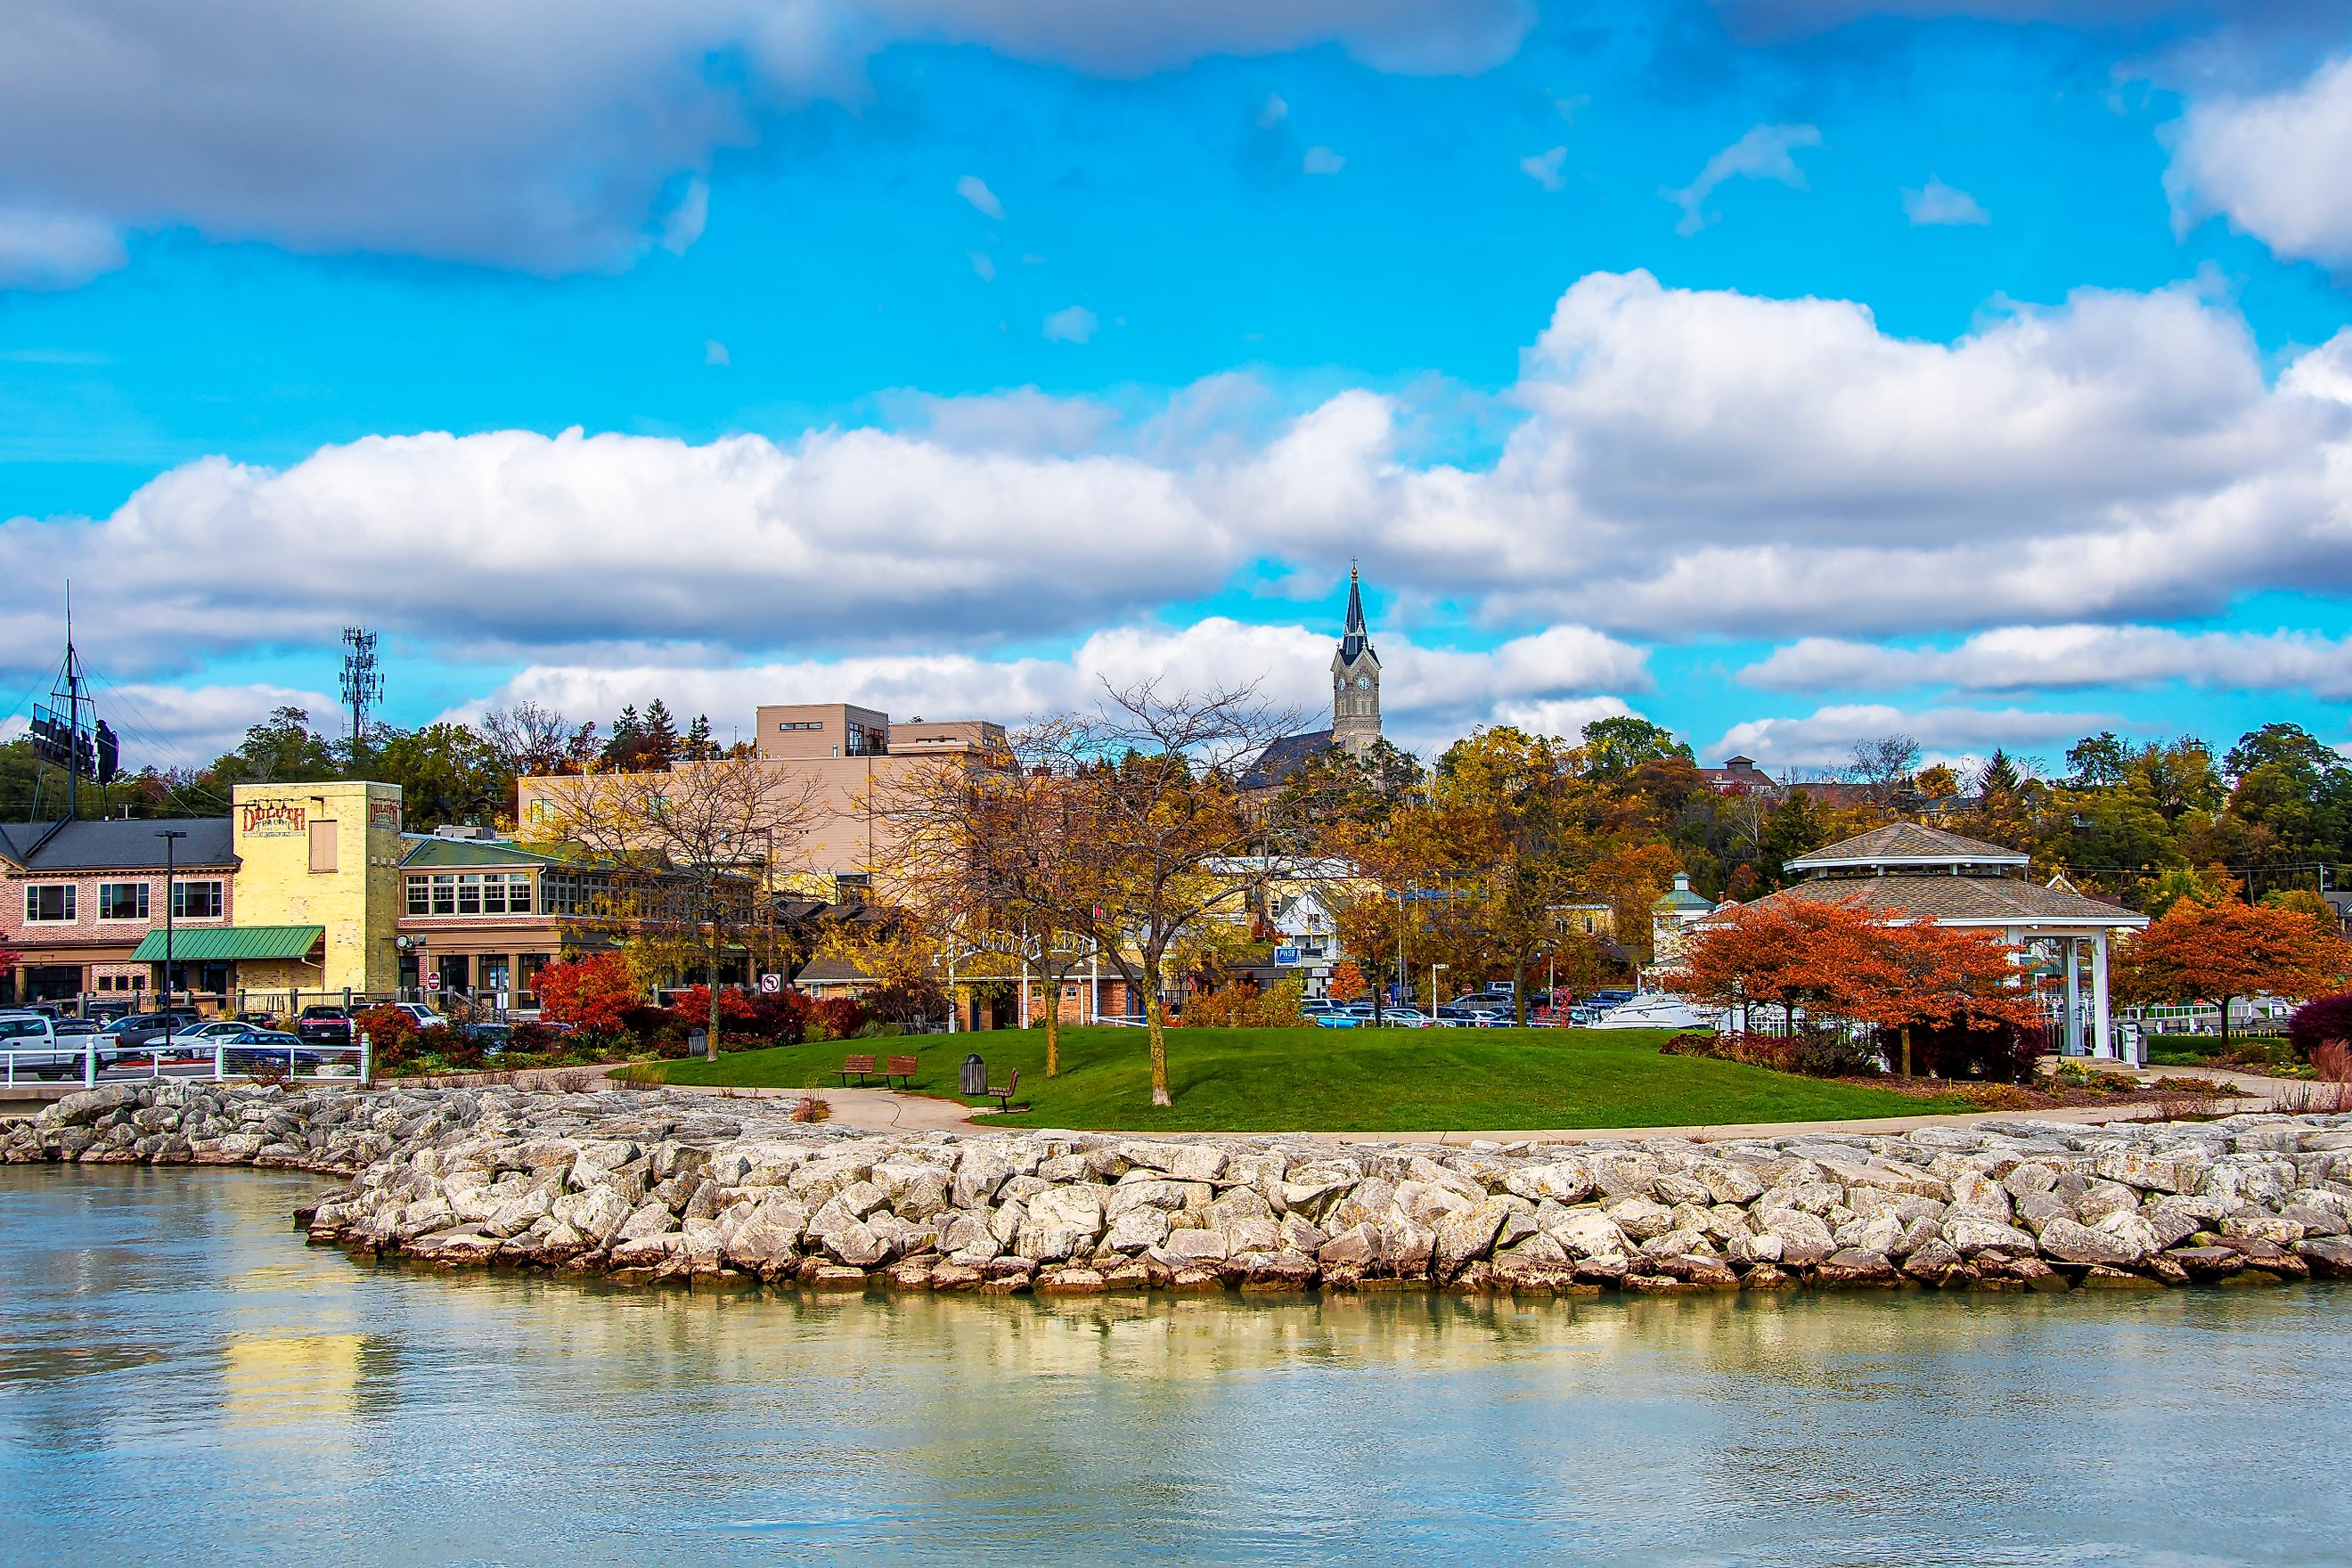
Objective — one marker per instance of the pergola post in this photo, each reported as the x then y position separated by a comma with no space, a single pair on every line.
2073,948
2102,1030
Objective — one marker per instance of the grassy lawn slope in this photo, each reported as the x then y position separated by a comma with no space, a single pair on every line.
1343,1081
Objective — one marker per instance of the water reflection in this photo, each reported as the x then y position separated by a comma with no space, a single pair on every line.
171,1324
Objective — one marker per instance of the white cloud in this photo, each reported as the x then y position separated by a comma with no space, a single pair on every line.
1937,203
1825,738
538,134
1137,36
983,265
1322,160
1271,112
715,352
684,223
2277,165
1557,682
974,189
188,726
55,250
1684,464
1544,169
1073,325
1762,154
2067,658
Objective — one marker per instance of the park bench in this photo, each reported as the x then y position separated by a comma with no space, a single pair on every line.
900,1067
1003,1092
862,1065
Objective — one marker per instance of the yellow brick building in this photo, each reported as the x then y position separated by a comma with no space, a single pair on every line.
324,855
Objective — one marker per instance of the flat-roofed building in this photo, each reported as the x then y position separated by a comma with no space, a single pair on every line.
849,757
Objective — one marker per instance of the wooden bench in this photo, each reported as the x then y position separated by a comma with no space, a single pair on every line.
900,1067
1003,1092
862,1065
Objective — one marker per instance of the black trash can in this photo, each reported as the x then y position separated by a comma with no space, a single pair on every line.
975,1075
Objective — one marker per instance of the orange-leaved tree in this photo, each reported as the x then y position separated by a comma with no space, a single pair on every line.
1347,982
2222,952
592,992
1842,961
1917,973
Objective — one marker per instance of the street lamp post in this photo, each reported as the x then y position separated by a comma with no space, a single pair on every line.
170,837
1432,987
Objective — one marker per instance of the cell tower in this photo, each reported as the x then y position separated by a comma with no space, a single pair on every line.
362,686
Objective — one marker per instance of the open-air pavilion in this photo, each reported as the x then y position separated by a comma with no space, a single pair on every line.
1908,871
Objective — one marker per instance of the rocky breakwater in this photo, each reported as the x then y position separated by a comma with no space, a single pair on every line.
665,1186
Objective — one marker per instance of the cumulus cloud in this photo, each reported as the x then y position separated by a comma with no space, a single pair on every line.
1544,168
1825,738
1556,681
55,250
179,727
2277,165
2069,657
1271,112
1322,160
1762,154
1937,203
538,134
1684,464
715,352
1074,324
974,189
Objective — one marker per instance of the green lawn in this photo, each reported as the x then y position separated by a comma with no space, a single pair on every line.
1386,1080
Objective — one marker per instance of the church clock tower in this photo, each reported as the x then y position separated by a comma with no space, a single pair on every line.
1355,681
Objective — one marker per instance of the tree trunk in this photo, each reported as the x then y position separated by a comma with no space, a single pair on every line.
710,1043
1906,1053
1519,992
2225,1025
1053,1026
1156,1026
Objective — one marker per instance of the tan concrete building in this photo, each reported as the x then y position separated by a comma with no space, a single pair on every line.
850,755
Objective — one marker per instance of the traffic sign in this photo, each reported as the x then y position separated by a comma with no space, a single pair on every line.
432,981
770,984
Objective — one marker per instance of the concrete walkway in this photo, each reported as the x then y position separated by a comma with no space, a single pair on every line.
886,1110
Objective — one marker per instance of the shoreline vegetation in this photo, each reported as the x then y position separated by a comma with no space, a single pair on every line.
654,1188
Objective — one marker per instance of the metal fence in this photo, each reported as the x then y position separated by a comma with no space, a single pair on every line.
77,1057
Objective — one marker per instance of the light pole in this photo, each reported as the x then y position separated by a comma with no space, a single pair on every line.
1432,987
170,837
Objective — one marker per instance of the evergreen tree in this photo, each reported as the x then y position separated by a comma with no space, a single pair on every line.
698,746
657,742
620,751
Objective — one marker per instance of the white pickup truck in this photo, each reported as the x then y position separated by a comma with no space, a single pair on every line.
30,1046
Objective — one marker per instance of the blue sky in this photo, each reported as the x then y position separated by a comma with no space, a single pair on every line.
1788,371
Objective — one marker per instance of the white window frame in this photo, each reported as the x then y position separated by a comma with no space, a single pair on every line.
217,901
72,903
144,901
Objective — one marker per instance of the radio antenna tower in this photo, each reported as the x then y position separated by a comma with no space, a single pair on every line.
363,685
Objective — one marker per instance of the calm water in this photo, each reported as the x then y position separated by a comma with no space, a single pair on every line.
182,1379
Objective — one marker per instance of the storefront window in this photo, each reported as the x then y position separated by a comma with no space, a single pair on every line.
196,900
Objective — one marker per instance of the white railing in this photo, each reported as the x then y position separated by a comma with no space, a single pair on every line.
66,1060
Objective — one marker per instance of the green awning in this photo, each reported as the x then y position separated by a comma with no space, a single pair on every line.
212,944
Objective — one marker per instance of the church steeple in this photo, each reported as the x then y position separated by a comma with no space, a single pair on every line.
1355,679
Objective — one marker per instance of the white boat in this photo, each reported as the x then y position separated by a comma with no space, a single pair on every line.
1652,1010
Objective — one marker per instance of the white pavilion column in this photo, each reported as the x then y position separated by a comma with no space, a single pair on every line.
2074,950
2103,1029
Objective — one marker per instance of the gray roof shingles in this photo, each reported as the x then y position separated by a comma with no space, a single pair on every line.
117,845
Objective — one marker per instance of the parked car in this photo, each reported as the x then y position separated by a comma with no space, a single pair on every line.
426,1018
492,1037
35,1050
325,1021
1340,1018
268,1048
198,1039
141,1031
